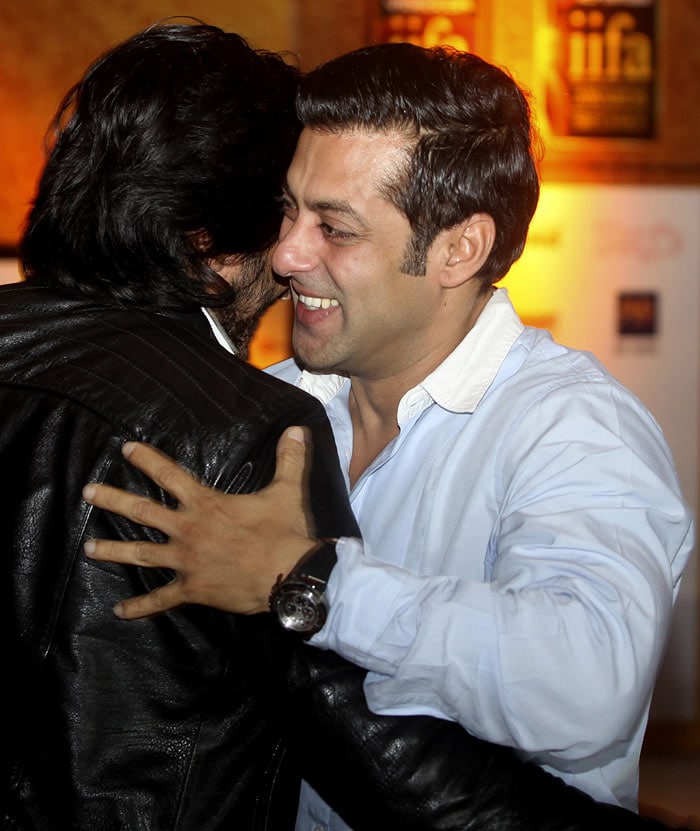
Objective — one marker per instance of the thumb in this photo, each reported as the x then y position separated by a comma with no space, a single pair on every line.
294,457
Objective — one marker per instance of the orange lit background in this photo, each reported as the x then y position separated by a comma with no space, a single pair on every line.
46,44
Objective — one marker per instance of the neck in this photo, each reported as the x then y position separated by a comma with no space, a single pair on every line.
374,399
373,411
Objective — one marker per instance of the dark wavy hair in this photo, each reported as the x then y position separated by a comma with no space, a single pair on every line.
168,153
475,148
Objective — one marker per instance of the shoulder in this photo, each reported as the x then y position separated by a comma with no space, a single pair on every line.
148,376
546,388
539,362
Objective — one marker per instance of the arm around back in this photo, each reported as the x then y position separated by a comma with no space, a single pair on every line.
419,773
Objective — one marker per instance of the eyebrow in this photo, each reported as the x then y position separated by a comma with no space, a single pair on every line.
335,205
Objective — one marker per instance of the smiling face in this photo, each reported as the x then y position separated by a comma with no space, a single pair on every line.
342,244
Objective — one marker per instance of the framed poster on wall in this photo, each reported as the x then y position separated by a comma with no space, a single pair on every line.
424,22
613,81
601,81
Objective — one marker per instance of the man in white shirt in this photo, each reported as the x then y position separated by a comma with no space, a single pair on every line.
524,532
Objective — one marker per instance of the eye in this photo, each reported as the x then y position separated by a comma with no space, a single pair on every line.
287,206
335,233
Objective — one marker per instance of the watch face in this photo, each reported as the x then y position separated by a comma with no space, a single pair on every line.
301,608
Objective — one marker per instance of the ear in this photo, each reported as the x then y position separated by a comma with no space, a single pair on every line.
465,248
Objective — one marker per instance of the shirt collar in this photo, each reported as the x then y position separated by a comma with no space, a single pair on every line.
461,380
218,331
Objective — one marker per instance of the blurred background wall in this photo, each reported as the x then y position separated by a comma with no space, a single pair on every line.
613,260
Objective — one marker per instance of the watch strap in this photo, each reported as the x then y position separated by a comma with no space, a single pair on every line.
318,562
314,568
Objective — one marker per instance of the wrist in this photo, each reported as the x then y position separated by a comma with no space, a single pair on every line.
299,599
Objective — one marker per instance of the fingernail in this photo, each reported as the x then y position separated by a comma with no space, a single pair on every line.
127,448
89,547
119,610
297,434
88,492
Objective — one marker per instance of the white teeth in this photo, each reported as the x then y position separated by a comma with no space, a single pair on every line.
318,302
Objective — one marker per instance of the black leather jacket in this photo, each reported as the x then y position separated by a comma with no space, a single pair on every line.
195,720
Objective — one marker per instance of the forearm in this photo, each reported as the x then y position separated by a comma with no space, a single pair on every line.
478,654
419,773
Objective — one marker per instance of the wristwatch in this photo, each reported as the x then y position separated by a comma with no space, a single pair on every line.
299,600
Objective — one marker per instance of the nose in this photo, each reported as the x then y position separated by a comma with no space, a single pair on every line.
293,252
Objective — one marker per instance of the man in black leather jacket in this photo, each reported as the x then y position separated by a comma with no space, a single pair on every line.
157,201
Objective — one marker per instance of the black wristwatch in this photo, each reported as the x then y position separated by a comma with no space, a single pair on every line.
299,600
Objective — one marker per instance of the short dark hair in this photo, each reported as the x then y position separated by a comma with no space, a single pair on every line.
474,145
170,151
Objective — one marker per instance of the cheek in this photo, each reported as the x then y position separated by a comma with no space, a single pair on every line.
358,272
347,266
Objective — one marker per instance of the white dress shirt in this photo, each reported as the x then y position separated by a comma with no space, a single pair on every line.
524,538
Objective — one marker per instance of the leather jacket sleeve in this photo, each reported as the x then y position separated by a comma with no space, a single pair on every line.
419,773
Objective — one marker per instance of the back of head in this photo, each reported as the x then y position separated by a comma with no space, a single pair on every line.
169,152
470,127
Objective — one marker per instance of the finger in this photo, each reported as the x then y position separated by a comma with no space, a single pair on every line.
135,553
138,509
162,599
293,472
163,470
293,455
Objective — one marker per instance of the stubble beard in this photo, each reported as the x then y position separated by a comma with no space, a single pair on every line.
256,291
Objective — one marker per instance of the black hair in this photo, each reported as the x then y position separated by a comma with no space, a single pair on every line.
170,152
471,139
